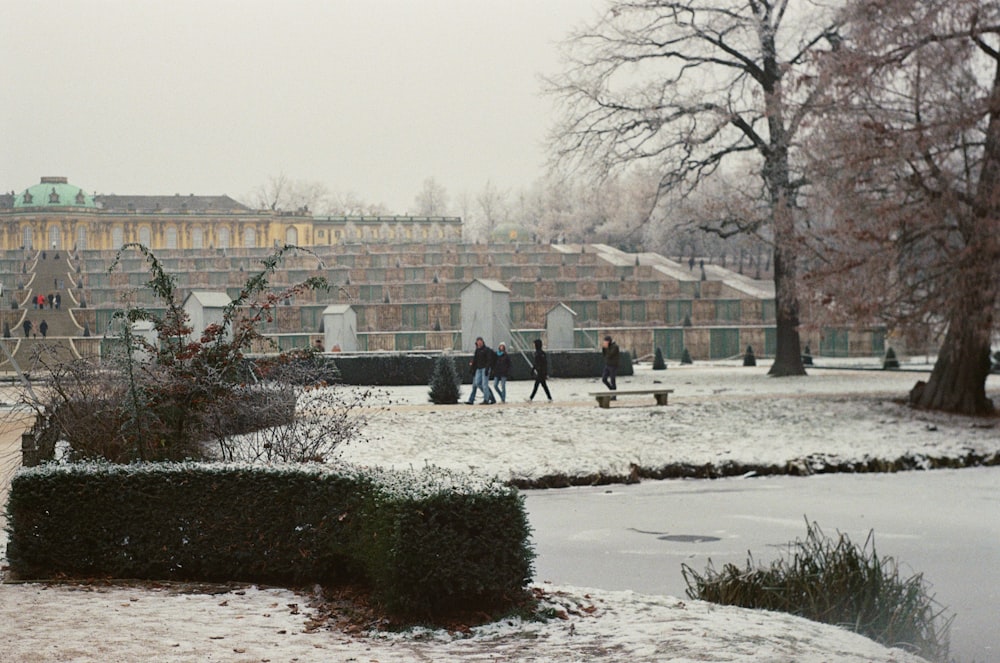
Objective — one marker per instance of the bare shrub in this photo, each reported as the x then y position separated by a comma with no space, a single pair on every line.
174,399
314,422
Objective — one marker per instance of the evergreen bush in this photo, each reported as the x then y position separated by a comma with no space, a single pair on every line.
686,357
446,383
890,362
426,542
748,357
658,363
807,358
836,582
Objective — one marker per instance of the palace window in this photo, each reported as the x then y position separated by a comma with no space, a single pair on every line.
223,237
145,237
292,236
171,237
249,237
28,235
197,239
81,237
117,237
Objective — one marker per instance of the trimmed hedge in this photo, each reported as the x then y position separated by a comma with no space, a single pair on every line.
426,542
400,369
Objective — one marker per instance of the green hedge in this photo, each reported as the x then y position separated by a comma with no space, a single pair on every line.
396,369
426,542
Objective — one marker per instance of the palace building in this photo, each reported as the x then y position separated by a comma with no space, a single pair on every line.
55,214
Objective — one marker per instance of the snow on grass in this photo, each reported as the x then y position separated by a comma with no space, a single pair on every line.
717,414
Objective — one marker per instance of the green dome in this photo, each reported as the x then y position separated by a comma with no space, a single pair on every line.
53,192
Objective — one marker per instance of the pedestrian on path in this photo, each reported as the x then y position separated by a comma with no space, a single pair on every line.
26,326
540,371
611,357
482,361
44,328
501,371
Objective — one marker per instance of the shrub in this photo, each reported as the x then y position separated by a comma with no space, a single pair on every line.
426,542
167,399
686,357
835,582
749,359
890,362
446,385
418,368
807,358
658,363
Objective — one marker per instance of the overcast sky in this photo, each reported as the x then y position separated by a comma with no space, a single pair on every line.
217,96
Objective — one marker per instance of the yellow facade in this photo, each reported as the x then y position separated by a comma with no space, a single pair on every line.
55,214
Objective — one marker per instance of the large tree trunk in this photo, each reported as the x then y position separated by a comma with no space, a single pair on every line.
788,353
958,381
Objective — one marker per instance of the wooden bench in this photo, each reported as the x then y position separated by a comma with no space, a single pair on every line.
604,398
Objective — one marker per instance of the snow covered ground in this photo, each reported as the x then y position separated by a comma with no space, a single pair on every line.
718,414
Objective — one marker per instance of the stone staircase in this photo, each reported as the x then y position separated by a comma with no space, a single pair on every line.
51,274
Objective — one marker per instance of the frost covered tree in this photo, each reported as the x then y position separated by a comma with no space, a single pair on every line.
692,89
432,200
446,384
282,193
909,160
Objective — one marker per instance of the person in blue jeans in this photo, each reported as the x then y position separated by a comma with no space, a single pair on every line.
482,361
501,370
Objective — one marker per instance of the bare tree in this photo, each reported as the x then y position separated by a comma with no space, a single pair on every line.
351,204
695,88
492,206
910,158
281,193
432,199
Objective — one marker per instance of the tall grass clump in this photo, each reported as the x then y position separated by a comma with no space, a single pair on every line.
835,581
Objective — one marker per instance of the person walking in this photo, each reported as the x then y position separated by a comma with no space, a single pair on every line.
540,370
611,357
482,360
26,326
44,328
501,371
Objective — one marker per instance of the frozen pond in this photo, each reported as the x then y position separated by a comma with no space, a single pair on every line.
944,524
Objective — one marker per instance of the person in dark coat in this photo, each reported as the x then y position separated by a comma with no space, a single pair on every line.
540,370
26,326
501,371
44,328
482,361
611,357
